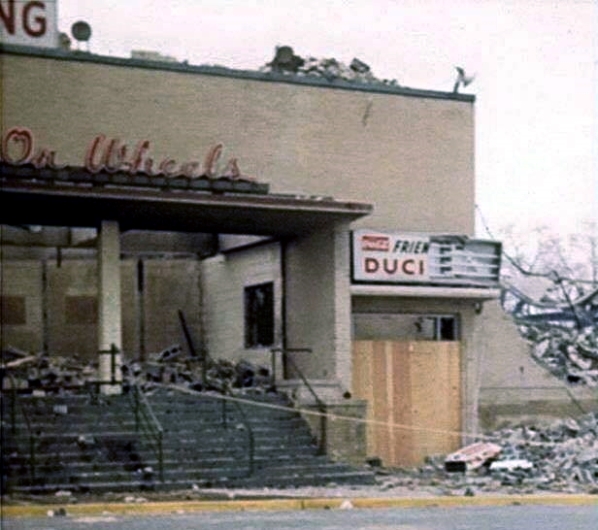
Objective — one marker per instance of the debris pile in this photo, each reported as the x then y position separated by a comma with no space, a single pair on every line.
40,371
171,367
563,335
569,353
562,457
55,374
286,62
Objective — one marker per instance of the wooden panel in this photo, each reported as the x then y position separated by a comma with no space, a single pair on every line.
414,394
13,311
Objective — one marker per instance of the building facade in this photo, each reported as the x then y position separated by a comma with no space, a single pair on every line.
328,223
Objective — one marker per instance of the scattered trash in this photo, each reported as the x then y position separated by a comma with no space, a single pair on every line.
59,512
510,465
63,493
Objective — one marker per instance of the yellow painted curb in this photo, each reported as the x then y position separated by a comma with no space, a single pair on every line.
141,508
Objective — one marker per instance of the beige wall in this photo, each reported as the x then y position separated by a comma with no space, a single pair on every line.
225,277
68,298
411,157
319,305
513,386
22,280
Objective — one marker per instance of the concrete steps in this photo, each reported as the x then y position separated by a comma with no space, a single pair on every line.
84,444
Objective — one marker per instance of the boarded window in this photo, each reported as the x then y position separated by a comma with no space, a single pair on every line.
14,311
81,310
259,315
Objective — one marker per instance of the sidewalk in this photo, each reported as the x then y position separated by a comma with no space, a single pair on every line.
239,500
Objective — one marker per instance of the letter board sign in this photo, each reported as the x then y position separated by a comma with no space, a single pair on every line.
444,259
390,258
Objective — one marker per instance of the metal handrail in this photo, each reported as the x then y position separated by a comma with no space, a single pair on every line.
13,406
205,357
246,426
147,423
320,404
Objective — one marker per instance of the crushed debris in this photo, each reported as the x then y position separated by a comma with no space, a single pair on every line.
45,374
285,61
562,457
563,335
568,353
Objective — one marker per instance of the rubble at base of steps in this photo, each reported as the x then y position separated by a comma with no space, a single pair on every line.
559,458
46,374
220,374
569,353
286,62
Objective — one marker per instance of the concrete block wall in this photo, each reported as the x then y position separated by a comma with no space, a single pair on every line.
345,439
318,304
225,276
22,281
514,388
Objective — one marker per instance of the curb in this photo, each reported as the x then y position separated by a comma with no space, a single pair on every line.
180,507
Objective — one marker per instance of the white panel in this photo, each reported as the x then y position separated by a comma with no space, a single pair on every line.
29,23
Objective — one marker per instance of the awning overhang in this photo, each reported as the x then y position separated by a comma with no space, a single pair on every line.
58,203
479,294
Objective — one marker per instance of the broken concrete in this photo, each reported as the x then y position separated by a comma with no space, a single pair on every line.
562,457
42,373
285,61
567,352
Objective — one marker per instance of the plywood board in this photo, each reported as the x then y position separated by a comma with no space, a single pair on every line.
414,393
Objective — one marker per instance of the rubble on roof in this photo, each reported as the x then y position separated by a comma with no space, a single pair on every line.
285,61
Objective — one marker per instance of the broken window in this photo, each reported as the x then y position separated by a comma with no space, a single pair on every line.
398,326
259,315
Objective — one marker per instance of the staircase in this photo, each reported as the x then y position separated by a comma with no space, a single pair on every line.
84,443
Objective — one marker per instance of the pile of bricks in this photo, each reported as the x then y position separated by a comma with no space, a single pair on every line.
171,367
44,372
569,353
562,457
56,374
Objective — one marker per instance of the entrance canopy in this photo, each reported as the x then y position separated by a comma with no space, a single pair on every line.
75,197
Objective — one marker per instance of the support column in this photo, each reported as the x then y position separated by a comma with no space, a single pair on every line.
318,304
109,307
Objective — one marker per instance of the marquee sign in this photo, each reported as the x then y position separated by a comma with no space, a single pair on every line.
112,161
29,23
400,258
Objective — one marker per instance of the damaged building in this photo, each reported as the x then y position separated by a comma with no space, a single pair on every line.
214,229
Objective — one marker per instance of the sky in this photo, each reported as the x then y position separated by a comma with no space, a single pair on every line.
535,64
